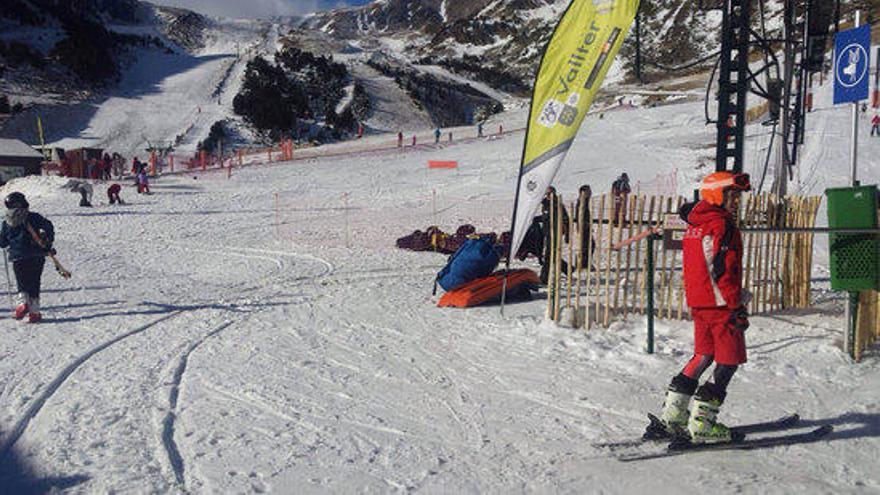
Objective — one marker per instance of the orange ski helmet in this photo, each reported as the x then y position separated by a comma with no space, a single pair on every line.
713,186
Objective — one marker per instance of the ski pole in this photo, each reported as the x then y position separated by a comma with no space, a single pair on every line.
39,240
8,280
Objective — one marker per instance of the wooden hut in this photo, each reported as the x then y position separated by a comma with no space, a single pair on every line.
17,159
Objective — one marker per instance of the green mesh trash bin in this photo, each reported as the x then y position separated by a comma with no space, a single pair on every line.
855,258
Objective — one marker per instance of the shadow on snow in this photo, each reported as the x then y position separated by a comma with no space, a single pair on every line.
16,476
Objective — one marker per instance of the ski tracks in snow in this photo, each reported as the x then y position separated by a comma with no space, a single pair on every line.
37,405
241,292
174,457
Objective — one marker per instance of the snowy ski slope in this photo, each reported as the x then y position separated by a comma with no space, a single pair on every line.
220,337
163,95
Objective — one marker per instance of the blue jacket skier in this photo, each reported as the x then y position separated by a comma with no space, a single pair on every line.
28,258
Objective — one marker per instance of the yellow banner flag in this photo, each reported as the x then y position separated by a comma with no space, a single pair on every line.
575,63
46,155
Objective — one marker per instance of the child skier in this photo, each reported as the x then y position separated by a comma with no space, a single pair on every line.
713,287
143,183
113,194
28,258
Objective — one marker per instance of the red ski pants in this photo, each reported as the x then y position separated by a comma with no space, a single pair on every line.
714,336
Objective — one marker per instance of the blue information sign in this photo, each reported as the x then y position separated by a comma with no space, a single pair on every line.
852,49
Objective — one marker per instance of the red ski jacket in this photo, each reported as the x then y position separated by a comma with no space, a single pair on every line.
712,258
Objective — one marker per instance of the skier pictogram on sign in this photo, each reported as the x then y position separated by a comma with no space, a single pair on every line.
851,62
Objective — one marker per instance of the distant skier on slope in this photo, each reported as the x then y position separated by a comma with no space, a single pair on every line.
113,194
83,188
136,168
118,165
713,287
143,182
437,134
875,125
28,258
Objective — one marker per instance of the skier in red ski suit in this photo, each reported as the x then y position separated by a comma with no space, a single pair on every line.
713,286
113,194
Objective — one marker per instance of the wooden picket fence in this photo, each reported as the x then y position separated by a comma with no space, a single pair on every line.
868,324
609,282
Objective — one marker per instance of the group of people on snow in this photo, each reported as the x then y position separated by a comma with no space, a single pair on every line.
27,237
105,167
86,191
438,133
538,237
139,170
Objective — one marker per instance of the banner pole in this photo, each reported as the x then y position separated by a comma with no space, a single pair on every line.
510,253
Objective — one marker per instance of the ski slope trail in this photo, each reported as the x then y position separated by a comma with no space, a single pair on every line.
299,351
167,97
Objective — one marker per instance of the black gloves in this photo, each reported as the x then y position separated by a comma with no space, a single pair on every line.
739,319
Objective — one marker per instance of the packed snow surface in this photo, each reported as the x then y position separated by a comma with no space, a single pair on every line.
261,334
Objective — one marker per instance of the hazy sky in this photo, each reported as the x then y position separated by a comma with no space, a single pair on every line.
259,8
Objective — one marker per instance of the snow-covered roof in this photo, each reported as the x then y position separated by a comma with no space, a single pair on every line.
16,148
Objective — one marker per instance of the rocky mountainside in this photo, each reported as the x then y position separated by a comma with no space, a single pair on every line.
500,41
184,27
63,46
490,40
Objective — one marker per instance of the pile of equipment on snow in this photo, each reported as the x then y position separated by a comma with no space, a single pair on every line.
434,239
469,277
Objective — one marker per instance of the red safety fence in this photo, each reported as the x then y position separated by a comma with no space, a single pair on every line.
159,163
288,151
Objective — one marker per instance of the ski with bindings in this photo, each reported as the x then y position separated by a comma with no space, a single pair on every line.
680,448
656,431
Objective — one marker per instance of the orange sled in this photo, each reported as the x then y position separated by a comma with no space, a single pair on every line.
487,288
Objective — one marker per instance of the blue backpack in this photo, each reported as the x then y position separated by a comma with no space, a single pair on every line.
476,258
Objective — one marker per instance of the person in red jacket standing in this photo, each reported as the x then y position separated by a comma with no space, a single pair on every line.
713,286
875,125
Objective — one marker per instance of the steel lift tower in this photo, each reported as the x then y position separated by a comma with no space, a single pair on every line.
803,44
733,84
